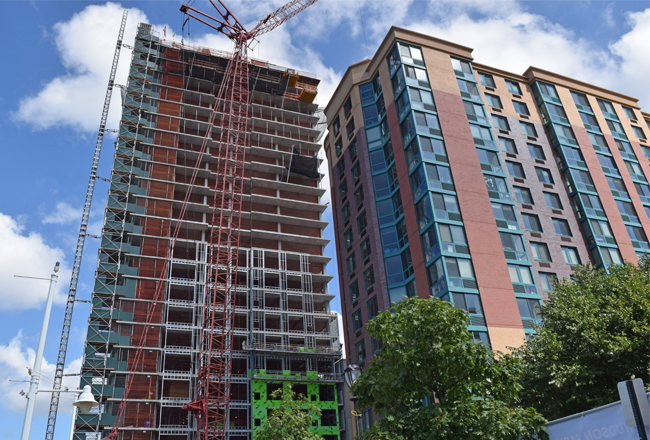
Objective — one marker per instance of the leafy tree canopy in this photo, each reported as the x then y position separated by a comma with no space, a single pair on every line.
596,333
291,419
432,381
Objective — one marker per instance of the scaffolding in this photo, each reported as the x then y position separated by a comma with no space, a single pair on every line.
282,325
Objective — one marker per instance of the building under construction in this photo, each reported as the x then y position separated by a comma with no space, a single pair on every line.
283,330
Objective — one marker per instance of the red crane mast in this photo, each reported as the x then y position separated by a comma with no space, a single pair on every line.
212,402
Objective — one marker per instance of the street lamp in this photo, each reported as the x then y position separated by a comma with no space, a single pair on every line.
351,373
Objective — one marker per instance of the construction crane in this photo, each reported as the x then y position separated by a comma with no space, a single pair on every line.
81,240
212,403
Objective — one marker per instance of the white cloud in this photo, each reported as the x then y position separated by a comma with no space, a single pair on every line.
608,15
15,358
27,255
63,214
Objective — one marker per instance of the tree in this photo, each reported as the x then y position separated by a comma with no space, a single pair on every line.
291,419
432,381
595,334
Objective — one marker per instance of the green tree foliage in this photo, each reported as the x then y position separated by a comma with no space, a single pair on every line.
291,419
432,381
596,333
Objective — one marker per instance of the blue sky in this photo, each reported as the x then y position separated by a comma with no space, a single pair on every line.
56,62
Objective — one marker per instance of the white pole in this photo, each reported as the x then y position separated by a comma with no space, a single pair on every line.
74,416
36,372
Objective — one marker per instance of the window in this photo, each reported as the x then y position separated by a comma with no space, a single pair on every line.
531,222
629,112
548,281
598,142
637,235
352,150
410,53
592,205
590,122
536,151
606,107
540,251
523,195
570,255
459,268
625,148
461,66
366,419
548,90
607,164
552,200
422,99
617,187
469,302
500,122
647,211
347,107
438,176
354,292
497,187
349,128
336,126
340,167
399,267
482,135
638,132
352,264
357,323
356,174
508,145
446,207
505,216
343,189
521,108
528,129
369,277
556,114
347,238
468,90
493,100
528,308
373,308
581,101
417,76
381,158
358,197
481,338
515,169
513,87
423,212
475,112
520,274
627,211
345,212
615,127
489,158
362,222
389,210
361,351
453,239
487,80
428,120
513,244
544,175
365,249
643,191
338,146
562,227
646,151
610,256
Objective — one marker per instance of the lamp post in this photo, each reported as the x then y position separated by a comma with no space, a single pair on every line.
36,372
351,374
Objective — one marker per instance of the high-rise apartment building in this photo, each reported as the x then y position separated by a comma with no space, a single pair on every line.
476,185
284,330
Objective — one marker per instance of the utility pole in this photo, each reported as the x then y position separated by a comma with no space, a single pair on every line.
36,371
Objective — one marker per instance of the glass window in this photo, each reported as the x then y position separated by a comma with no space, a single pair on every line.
356,173
361,351
338,146
528,129
351,264
548,90
349,128
468,89
410,53
615,127
513,87
487,80
607,164
497,187
500,122
625,148
345,212
548,281
562,227
520,274
369,277
336,126
422,99
540,251
352,150
646,151
536,151
340,167
373,308
347,238
354,292
357,322
581,101
598,142
610,256
627,211
512,242
521,108
643,191
570,255
523,195
528,308
381,158
515,169
508,145
445,203
618,186
420,75
362,222
481,135
489,158
365,249
590,121
531,222
544,175
469,302
552,200
461,66
358,197
638,132
347,107
636,233
459,267
606,106
493,100
343,189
